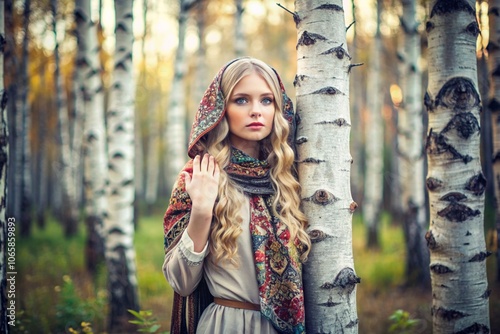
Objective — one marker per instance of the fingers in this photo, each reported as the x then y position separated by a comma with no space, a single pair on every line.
206,163
187,178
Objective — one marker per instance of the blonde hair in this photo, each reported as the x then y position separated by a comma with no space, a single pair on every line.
227,220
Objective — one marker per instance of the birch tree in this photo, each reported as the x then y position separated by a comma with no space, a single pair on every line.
239,34
175,132
494,106
455,182
94,133
69,211
119,221
374,141
324,163
4,160
411,152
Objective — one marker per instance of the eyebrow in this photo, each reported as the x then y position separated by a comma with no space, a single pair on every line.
261,95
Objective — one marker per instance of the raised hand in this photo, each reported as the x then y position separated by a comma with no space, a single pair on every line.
202,187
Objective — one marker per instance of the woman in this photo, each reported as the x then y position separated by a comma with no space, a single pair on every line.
233,223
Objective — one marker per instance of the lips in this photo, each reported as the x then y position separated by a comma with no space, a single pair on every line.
254,124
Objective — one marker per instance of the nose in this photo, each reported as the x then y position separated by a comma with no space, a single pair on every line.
256,111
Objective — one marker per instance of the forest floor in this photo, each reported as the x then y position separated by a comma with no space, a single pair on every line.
55,292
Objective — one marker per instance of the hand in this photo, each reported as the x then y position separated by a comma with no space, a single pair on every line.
203,186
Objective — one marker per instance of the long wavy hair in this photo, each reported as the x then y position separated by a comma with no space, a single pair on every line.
226,226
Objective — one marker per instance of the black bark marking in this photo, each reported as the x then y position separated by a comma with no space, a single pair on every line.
346,280
298,79
312,161
443,7
431,242
458,213
440,269
118,155
458,93
468,234
309,39
429,26
317,236
339,52
322,197
331,7
433,184
481,256
497,157
466,124
329,303
494,105
428,102
301,140
436,144
327,91
475,329
352,323
5,98
476,184
116,230
447,314
353,65
338,121
473,29
486,294
453,197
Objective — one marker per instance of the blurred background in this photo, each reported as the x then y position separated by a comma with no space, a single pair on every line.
59,289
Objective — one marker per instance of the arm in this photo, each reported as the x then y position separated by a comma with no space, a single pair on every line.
191,204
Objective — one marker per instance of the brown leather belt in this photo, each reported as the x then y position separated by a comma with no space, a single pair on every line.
236,304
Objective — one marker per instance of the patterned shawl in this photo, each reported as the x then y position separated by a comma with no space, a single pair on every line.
277,258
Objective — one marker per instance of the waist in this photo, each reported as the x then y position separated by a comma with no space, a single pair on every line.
236,304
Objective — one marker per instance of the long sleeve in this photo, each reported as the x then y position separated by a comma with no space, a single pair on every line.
183,267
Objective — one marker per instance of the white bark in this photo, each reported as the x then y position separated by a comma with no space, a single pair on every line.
239,33
494,106
119,222
324,163
455,181
374,141
175,132
411,152
4,160
66,166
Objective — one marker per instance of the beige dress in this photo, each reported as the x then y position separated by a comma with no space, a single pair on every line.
183,269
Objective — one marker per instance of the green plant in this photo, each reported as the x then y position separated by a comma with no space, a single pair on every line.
72,311
146,322
401,322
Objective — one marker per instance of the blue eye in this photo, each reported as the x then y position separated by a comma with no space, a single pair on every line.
240,100
267,101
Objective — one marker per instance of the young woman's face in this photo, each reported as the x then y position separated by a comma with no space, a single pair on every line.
250,112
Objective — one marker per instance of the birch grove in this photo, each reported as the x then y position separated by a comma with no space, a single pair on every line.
119,220
494,106
324,163
455,182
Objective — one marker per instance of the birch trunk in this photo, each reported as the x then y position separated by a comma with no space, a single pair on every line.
372,200
494,106
69,212
153,154
23,167
4,160
94,134
324,163
455,181
411,131
175,132
239,32
119,221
